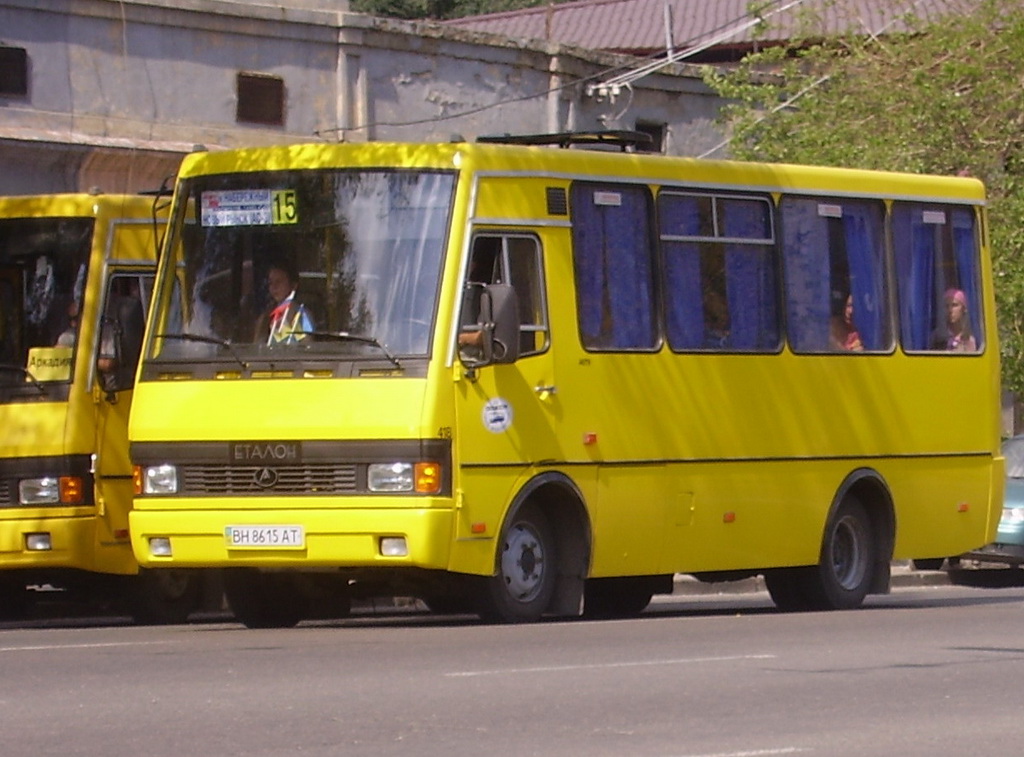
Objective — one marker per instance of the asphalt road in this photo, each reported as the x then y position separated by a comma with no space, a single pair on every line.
926,670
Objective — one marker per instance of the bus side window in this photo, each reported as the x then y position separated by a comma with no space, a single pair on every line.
937,265
512,259
835,264
719,264
613,256
121,328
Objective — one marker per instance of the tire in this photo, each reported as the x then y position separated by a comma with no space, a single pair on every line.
524,582
163,597
264,600
15,599
844,573
615,598
786,588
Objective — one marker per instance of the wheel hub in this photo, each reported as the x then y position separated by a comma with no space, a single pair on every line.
522,563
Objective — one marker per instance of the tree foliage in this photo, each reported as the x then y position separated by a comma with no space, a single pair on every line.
944,98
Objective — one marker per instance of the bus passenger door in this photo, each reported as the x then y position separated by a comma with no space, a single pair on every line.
117,343
507,411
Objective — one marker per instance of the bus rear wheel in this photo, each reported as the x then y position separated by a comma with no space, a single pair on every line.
786,588
264,600
522,587
843,576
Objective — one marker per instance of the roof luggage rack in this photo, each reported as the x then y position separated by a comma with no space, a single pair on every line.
623,139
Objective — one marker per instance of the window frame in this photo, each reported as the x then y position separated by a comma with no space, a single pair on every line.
716,237
502,273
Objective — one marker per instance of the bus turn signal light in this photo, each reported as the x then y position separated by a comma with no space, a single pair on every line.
72,491
428,478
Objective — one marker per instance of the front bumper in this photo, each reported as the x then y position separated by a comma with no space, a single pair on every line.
334,538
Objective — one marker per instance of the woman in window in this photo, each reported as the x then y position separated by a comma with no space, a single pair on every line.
844,335
956,335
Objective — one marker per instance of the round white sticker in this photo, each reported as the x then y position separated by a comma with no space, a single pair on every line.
497,415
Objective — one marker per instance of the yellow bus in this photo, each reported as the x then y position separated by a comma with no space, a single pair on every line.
76,273
524,381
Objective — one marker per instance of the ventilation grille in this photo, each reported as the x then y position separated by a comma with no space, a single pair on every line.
200,480
558,205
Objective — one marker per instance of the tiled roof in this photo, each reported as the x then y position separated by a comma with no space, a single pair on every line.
640,25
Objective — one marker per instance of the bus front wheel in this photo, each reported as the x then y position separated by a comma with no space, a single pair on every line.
163,596
522,587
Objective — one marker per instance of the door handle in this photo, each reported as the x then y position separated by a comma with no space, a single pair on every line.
545,391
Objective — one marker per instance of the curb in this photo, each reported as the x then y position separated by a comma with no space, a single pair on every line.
903,576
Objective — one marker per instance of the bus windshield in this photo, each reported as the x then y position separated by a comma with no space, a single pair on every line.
304,264
43,264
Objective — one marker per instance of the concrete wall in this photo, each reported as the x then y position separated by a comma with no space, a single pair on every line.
119,90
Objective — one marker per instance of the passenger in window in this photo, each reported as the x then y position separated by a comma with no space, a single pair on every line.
287,321
843,334
956,335
67,336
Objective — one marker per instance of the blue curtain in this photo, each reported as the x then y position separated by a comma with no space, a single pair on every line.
915,244
750,280
685,313
614,274
806,252
680,216
862,231
965,249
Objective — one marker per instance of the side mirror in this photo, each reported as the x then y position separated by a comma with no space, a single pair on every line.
121,342
499,328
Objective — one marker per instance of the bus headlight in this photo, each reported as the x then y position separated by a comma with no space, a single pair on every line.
51,490
389,477
160,479
38,491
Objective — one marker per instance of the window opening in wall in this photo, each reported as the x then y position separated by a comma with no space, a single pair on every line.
13,71
260,99
656,131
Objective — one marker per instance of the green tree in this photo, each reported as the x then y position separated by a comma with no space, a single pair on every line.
944,98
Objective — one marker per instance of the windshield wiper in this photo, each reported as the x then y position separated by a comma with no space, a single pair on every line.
12,368
186,337
344,336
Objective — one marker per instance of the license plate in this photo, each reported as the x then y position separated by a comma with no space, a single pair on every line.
265,537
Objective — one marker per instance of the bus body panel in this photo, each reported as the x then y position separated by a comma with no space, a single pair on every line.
275,409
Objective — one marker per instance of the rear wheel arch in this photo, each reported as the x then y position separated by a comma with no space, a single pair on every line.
870,488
